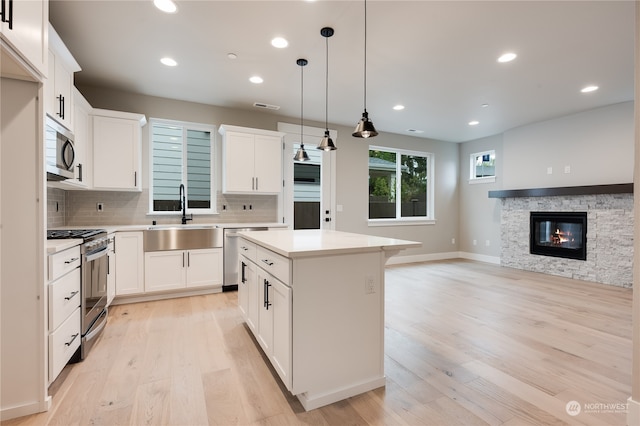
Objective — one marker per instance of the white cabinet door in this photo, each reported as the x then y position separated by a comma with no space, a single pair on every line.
252,161
164,270
282,330
129,263
243,286
204,268
238,163
117,145
268,164
62,83
265,312
27,33
111,270
253,296
82,141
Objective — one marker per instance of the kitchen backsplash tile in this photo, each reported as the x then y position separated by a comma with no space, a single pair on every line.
79,208
55,208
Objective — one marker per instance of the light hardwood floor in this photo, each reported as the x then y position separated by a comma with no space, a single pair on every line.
466,343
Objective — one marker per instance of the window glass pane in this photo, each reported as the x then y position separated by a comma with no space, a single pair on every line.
198,169
167,167
483,164
413,186
382,184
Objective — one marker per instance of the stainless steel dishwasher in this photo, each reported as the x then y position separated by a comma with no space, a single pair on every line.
230,254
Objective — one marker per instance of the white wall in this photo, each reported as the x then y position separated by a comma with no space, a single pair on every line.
597,145
479,214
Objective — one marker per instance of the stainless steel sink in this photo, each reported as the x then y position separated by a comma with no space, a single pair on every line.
182,237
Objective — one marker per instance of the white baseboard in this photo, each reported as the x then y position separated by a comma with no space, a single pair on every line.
171,294
633,413
397,260
25,410
480,257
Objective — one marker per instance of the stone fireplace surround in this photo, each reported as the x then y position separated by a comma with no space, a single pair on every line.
609,231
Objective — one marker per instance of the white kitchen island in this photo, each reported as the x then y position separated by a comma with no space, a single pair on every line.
314,300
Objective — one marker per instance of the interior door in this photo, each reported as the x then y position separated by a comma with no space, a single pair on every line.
308,200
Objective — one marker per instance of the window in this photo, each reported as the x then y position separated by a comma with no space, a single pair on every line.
483,166
405,173
181,153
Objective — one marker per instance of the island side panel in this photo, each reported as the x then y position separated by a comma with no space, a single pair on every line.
338,326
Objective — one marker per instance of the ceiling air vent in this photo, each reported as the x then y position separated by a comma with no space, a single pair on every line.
415,131
265,106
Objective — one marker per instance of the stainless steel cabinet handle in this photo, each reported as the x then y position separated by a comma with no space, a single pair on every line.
70,296
73,259
72,339
266,295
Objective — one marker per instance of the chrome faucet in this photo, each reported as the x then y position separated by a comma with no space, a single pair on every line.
183,203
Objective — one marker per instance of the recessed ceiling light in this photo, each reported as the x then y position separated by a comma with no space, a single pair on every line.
415,131
589,89
167,6
232,56
279,42
484,105
507,57
474,123
169,62
398,107
256,79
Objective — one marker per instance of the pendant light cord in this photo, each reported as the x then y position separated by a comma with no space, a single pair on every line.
326,89
301,102
365,55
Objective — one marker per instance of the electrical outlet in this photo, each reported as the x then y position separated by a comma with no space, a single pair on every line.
475,242
549,170
100,207
567,169
453,241
487,243
369,285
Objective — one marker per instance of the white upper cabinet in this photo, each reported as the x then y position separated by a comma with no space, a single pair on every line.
251,160
117,150
24,33
58,86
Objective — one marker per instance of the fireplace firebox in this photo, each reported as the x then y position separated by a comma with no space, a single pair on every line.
559,234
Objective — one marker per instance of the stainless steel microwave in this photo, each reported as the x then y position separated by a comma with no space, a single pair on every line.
60,152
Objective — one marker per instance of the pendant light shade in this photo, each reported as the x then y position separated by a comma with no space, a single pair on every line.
326,144
365,128
301,154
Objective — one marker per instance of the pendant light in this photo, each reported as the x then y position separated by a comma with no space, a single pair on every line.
326,144
301,155
365,128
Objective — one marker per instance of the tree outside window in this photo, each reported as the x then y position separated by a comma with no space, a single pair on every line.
393,172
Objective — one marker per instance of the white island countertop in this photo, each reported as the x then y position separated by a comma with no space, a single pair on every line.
313,242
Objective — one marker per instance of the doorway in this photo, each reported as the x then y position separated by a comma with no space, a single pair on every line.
308,199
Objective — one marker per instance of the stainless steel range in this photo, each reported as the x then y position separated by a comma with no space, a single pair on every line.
93,286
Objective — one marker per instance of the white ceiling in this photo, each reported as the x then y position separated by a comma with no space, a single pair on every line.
438,58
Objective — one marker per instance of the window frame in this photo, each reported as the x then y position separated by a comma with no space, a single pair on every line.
472,167
186,126
429,219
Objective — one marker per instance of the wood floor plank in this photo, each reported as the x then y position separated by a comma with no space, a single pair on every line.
466,343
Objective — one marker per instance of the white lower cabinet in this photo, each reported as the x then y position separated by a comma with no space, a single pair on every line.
64,308
129,263
266,304
111,269
177,269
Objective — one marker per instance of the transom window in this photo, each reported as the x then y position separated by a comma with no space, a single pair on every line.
181,154
400,185
482,166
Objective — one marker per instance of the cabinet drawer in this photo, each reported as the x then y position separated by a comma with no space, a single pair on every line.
64,298
247,249
275,264
63,262
63,343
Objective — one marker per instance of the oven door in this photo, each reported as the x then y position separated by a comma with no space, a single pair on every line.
94,285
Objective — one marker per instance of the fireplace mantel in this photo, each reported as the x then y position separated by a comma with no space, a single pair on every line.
619,188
